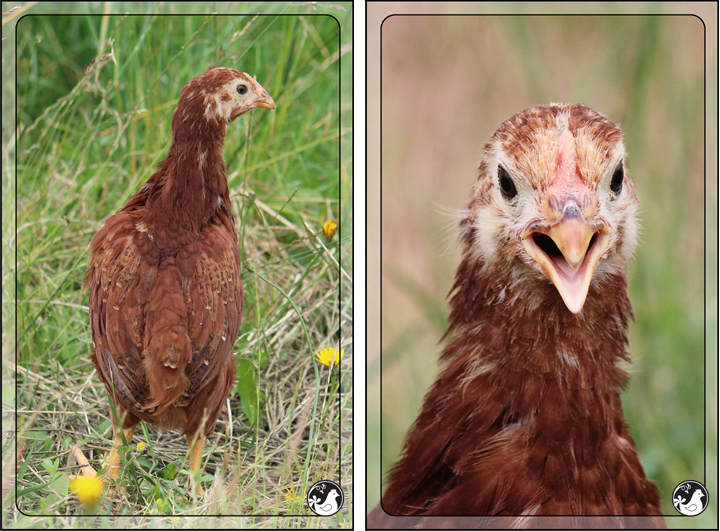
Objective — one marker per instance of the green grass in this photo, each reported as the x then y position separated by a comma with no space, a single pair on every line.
644,73
95,96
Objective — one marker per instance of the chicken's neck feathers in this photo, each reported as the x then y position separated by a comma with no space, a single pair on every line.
189,187
520,321
546,375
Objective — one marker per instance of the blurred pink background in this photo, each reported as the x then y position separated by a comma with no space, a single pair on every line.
448,82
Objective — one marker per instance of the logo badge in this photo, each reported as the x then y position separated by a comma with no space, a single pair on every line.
690,498
325,498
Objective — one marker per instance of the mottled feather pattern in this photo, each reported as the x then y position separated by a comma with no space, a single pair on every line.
164,275
525,418
129,262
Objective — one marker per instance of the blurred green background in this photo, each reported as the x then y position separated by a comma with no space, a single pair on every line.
448,82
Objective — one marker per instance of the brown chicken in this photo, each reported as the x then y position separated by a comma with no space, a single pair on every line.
525,419
164,277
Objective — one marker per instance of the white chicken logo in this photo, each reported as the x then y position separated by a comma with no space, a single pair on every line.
325,498
687,503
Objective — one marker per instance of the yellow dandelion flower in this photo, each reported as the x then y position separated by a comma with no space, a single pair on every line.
290,497
88,489
329,229
328,356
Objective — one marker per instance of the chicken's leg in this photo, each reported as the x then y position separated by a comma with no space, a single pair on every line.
111,462
113,458
196,444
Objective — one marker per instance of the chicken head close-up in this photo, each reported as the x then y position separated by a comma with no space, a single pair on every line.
525,419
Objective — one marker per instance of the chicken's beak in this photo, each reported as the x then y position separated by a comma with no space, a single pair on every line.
568,252
265,101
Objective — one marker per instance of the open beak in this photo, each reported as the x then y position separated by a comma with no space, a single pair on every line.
568,252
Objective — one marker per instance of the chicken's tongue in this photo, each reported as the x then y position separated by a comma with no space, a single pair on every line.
564,268
570,275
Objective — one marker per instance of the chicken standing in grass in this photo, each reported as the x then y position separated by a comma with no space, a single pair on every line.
164,277
525,419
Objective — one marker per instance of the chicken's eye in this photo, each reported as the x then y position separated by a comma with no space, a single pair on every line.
617,180
242,89
507,186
